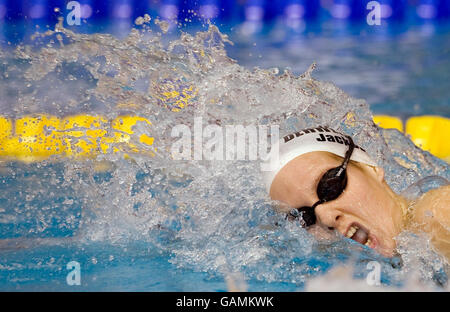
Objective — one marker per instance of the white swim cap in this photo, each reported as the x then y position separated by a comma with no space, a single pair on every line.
321,139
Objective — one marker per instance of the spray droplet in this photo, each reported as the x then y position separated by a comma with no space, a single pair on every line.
139,21
163,25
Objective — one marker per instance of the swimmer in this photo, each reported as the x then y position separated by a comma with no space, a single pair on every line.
326,181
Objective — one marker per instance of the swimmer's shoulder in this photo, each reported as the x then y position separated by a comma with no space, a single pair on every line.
434,206
432,216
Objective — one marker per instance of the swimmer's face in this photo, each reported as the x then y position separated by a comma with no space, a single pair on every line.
367,204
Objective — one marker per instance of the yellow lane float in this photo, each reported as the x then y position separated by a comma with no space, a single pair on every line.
431,133
388,122
38,137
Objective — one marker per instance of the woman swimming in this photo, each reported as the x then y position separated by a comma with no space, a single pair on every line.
327,181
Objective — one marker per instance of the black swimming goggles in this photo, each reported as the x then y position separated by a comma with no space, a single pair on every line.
330,187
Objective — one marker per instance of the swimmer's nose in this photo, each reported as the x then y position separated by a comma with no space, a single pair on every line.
328,215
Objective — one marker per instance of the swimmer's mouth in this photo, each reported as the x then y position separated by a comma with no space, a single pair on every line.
359,234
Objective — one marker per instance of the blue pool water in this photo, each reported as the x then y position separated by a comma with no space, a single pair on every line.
109,270
141,227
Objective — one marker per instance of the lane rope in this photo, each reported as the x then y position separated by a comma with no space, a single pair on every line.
38,137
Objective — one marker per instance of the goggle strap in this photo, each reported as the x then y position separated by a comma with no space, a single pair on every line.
317,204
348,154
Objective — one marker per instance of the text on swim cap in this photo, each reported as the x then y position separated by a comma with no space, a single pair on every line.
335,139
291,136
321,138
